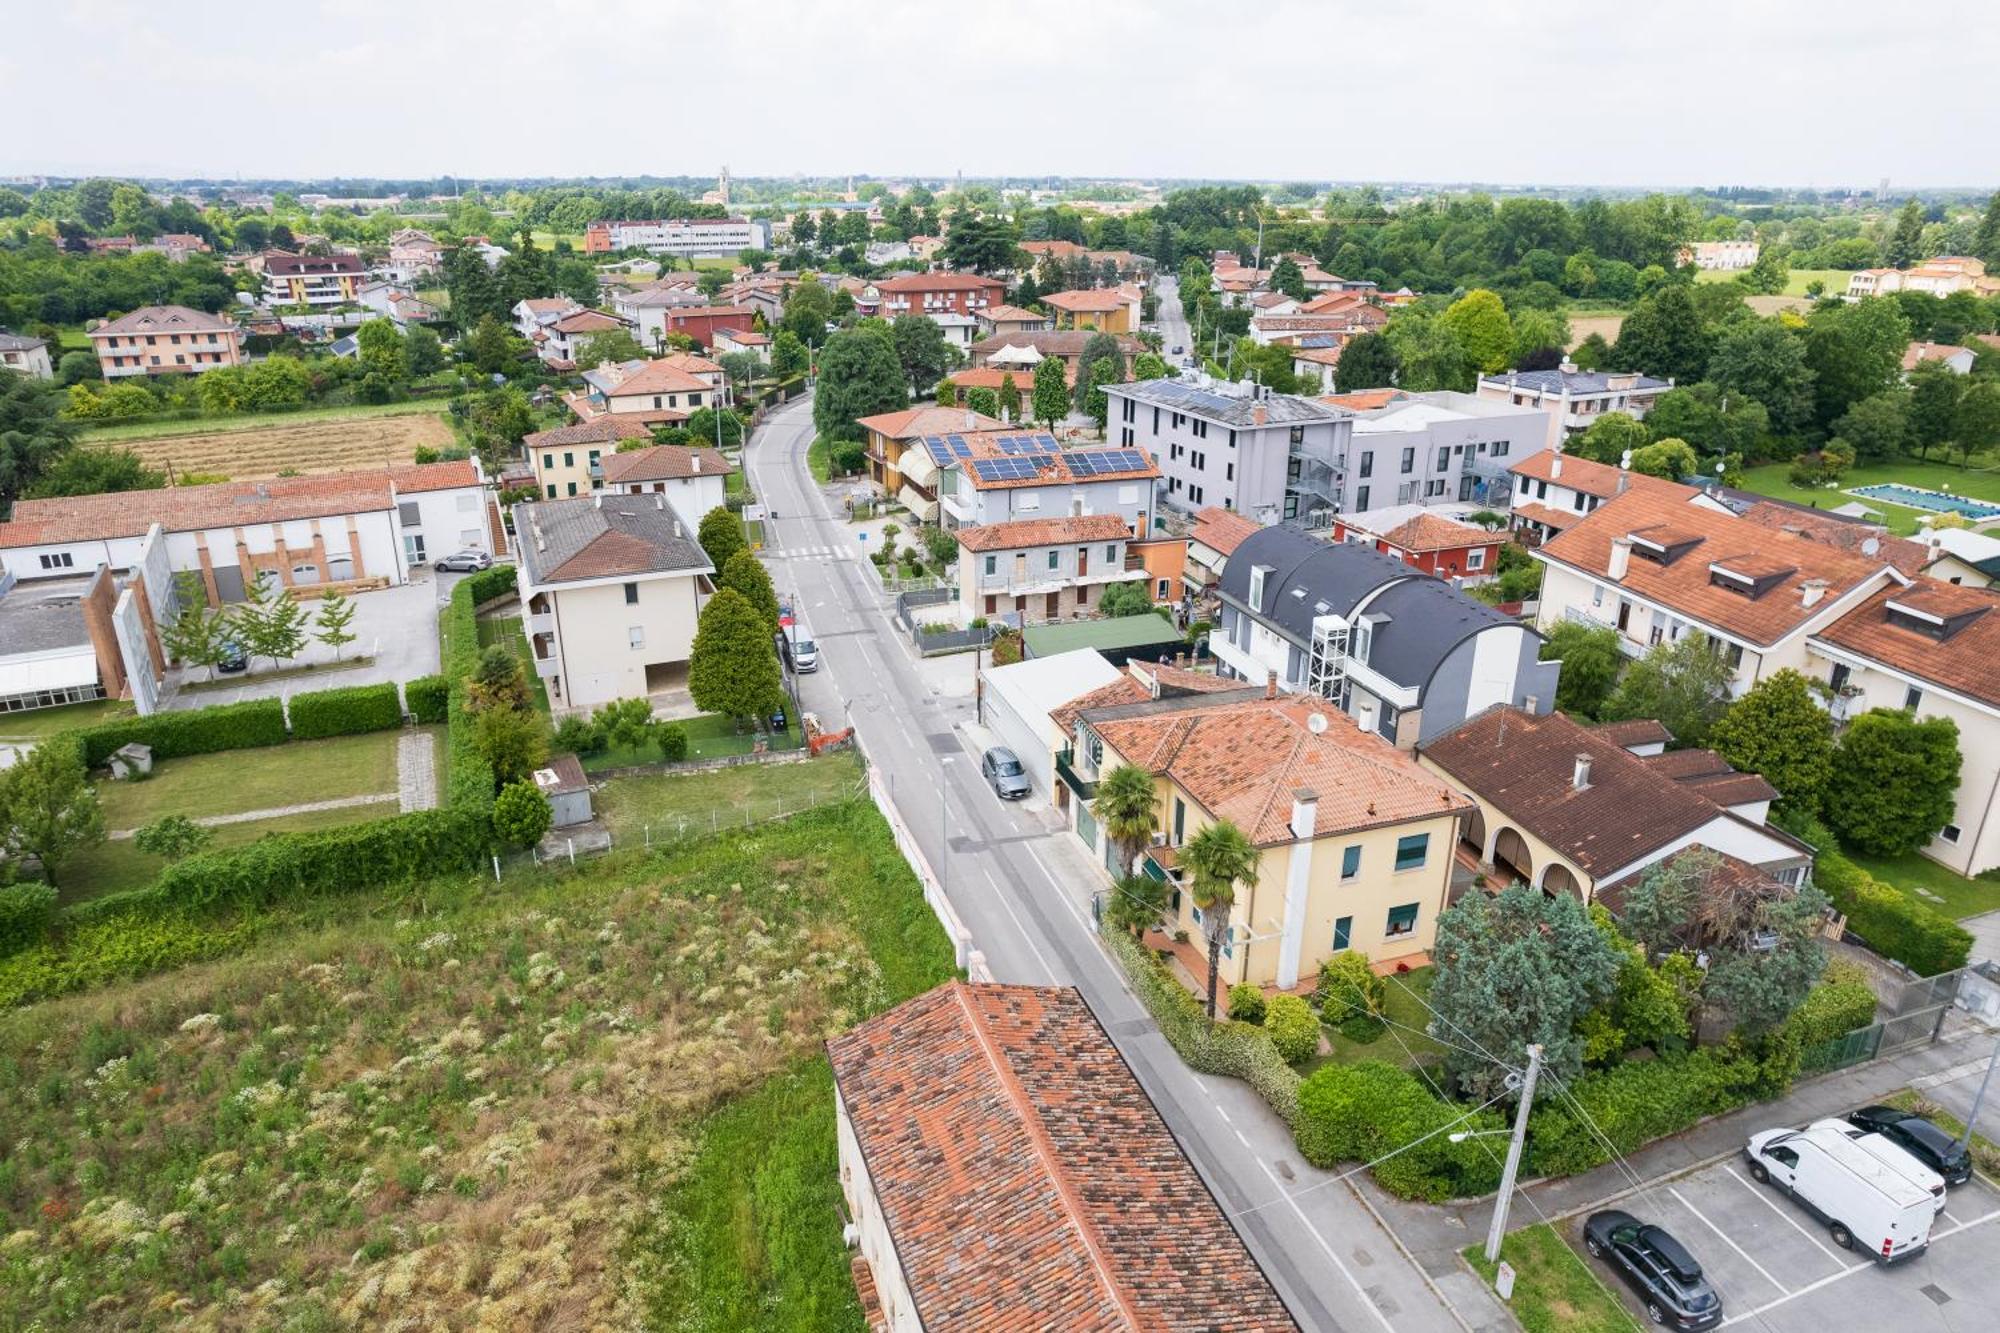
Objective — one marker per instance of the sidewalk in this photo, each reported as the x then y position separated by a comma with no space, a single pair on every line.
1436,1233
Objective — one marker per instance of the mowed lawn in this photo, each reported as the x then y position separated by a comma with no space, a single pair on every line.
673,802
36,723
1935,886
1981,481
1401,1043
1834,279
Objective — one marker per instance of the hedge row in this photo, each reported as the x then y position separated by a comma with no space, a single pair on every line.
396,850
1893,924
1362,1111
425,698
346,712
1633,1103
468,777
177,734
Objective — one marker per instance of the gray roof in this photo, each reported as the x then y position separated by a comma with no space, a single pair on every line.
1424,618
17,342
605,536
1576,381
43,615
1228,409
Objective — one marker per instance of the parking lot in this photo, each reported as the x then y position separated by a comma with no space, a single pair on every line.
1776,1268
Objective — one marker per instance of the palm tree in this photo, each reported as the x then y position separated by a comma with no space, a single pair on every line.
1216,860
1125,806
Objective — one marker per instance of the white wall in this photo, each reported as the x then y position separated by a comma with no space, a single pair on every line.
877,1247
451,520
593,634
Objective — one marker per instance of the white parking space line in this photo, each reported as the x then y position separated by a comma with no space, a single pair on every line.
1981,1220
1727,1241
1810,1287
1790,1221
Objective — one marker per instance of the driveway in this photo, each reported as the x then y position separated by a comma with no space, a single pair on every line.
396,626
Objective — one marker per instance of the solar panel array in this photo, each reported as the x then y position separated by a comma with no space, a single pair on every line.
1097,462
1027,444
944,448
1006,469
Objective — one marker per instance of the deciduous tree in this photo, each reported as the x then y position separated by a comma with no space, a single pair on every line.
48,809
1479,321
515,741
521,814
172,837
1893,781
1590,663
859,376
1368,361
1684,684
332,625
1780,730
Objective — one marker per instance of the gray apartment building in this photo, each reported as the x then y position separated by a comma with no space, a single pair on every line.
1438,448
1272,456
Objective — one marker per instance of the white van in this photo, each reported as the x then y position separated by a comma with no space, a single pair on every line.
1865,1203
1889,1154
800,650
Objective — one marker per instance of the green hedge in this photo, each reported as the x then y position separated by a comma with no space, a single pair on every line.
1636,1102
396,850
1293,1028
1363,1111
25,913
346,712
425,697
469,780
177,734
1892,924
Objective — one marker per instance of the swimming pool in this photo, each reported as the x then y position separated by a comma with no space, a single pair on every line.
1916,497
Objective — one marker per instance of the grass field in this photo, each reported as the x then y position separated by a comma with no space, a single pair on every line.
1402,1044
1795,285
669,802
1981,482
1931,884
578,1099
709,737
39,722
113,867
1554,1290
330,440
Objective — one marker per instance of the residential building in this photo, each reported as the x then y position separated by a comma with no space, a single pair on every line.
1554,490
1021,705
748,341
1354,839
1960,555
1857,535
1728,256
1010,319
176,246
535,313
413,255
25,355
686,238
940,293
1957,359
1031,570
92,635
1216,535
312,280
1437,448
1267,455
1105,309
647,308
1574,399
1077,1210
561,341
664,391
1432,542
992,477
896,461
1406,655
611,587
1941,276
1654,565
1027,349
1269,329
354,529
1315,359
166,340
995,378
397,305
567,461
1929,647
1274,303
1573,809
693,478
703,322
1137,680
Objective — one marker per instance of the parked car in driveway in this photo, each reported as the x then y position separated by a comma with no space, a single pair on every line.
233,659
1926,1142
467,561
1656,1266
1003,772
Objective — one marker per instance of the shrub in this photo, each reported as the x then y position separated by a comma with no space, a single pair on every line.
1841,1002
673,740
521,814
1246,1003
578,735
25,913
468,777
425,697
1293,1027
346,712
386,851
179,733
1349,990
1922,939
1360,1112
1636,1102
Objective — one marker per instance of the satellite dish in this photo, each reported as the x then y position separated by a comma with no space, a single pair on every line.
1316,723
1871,546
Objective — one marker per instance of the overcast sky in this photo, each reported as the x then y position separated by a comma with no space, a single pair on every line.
1655,92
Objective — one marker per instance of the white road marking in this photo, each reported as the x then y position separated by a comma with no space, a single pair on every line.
1845,1272
1345,1271
1008,907
1790,1221
1727,1241
1224,1114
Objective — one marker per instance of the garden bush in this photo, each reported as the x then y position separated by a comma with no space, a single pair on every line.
1359,1112
1841,1002
1632,1104
521,814
576,734
1293,1028
346,712
425,698
673,738
385,851
1922,939
1246,1003
468,777
1348,988
177,734
25,913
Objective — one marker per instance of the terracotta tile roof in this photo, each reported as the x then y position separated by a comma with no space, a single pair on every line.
1907,556
223,504
939,282
1782,564
1362,400
1130,689
1011,314
285,265
693,364
1920,352
990,377
1524,766
1592,477
1051,342
1027,1181
602,429
1638,731
1963,660
589,321
164,319
1435,532
1547,515
911,423
1332,303
664,462
1222,530
1360,316
548,305
1319,356
1023,533
1243,759
1102,300
657,377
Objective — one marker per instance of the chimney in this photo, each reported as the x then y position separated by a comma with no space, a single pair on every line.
659,501
1811,591
677,527
1528,704
1621,559
1305,812
694,462
1556,465
1568,367
1580,778
597,500
1270,684
968,418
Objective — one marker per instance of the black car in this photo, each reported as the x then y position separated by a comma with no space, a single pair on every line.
1656,1266
1919,1138
233,659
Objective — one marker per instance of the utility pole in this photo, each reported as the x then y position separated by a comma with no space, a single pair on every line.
1965,1139
1498,1230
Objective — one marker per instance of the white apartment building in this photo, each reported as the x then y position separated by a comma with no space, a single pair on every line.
1574,399
687,238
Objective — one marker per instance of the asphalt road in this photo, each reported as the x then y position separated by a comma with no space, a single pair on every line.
1171,318
1024,893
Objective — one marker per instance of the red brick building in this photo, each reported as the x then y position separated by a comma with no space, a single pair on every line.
940,294
700,322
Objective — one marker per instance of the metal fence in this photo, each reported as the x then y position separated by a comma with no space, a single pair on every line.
932,642
1914,1013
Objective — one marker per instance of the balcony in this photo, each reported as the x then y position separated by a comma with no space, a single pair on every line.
1084,787
543,623
547,667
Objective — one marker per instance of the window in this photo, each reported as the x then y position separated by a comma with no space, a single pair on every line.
1111,553
1913,698
548,460
1160,595
569,459
1180,820
631,594
1229,472
1055,559
1343,930
1444,457
1361,496
1500,451
1410,459
1350,861
1949,833
1402,921
636,636
1368,464
572,488
992,564
552,490
1787,1156
1842,673
59,560
1477,560
1412,851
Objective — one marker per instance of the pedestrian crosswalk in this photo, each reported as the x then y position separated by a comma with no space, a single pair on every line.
812,553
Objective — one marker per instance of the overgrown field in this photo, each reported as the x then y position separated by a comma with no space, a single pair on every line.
585,1100
295,442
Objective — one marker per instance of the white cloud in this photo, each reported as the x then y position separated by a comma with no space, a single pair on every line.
1550,91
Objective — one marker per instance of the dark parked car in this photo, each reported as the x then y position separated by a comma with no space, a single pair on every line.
233,659
467,561
1919,1138
1004,772
1656,1266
